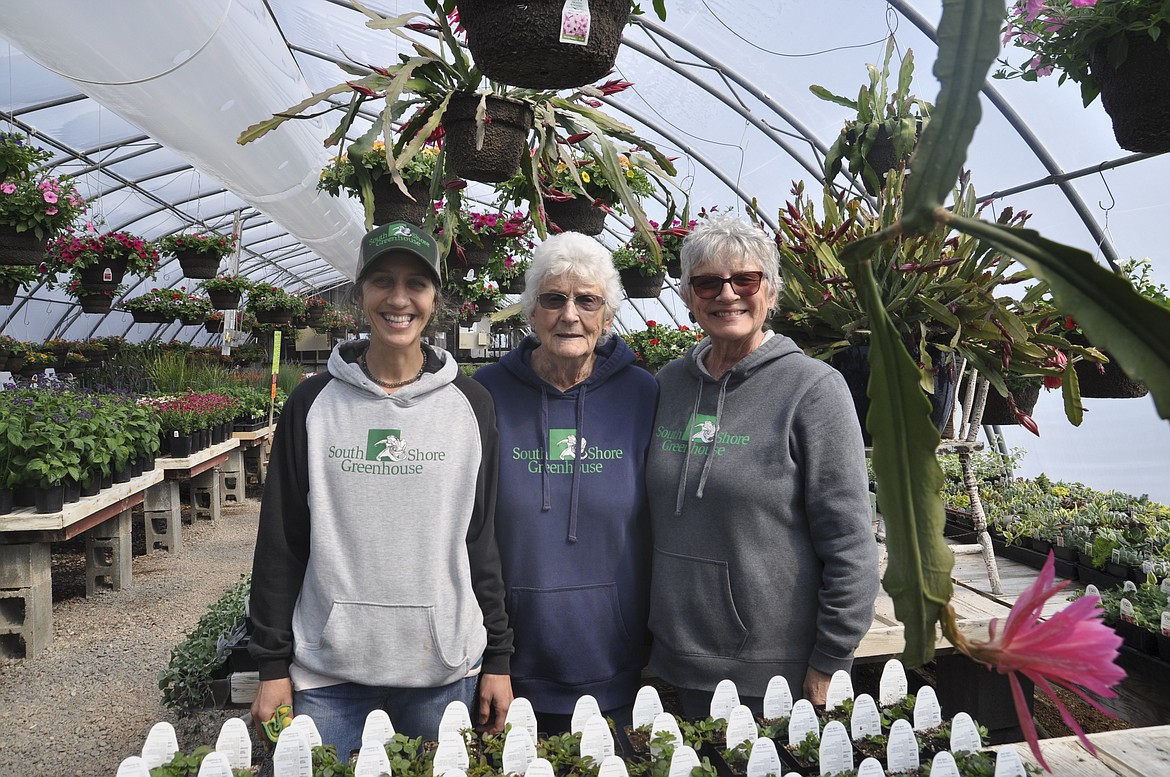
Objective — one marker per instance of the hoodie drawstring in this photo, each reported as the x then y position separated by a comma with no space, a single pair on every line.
710,459
682,481
576,468
546,497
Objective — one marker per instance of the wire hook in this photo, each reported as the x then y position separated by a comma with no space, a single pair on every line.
1112,199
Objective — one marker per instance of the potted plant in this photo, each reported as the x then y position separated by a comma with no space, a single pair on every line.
199,254
315,310
1119,49
100,301
12,278
669,239
364,173
273,305
657,345
509,265
641,271
191,309
480,236
33,210
99,262
225,291
152,307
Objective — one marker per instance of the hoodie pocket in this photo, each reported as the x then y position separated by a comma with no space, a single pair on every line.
692,611
573,636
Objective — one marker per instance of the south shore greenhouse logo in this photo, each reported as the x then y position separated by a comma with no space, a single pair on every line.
386,453
565,447
699,435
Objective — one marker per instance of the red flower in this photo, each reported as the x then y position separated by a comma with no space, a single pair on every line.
654,341
651,323
615,86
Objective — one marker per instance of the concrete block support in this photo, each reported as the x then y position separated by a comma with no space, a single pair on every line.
163,514
109,557
256,462
206,496
232,485
26,600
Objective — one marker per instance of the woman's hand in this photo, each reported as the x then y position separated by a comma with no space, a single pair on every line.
270,695
816,686
494,699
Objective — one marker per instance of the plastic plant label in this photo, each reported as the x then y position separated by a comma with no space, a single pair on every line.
451,754
893,687
836,750
665,722
309,726
777,699
840,689
802,722
1165,623
944,765
1115,556
1008,763
1088,549
576,22
133,766
1129,586
520,715
764,760
647,705
684,759
585,708
596,739
612,766
927,713
293,757
1125,606
372,761
741,727
1092,590
456,719
216,765
724,700
161,745
540,768
964,735
519,751
378,728
870,767
902,748
1166,585
866,720
235,741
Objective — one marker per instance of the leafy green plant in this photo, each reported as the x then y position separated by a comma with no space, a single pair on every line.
187,764
202,242
234,284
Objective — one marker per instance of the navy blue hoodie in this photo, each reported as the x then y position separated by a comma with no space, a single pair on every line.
573,526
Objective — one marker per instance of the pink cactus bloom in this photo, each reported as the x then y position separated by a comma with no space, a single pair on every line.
1073,649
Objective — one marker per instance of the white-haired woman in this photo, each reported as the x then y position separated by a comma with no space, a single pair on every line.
575,419
764,560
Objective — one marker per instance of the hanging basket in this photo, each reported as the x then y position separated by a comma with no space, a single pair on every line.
224,300
390,204
314,317
504,138
639,286
673,264
8,292
1107,381
576,215
20,248
151,317
281,316
97,302
105,276
1135,94
997,411
518,42
198,264
512,285
191,320
213,327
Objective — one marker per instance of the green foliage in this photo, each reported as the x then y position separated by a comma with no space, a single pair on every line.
187,764
209,242
704,731
19,156
658,344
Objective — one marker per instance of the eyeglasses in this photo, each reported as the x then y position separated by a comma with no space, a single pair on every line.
745,284
552,300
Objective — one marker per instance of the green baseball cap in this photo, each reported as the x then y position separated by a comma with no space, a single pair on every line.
399,237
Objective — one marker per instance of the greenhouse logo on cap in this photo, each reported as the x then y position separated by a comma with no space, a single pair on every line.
403,237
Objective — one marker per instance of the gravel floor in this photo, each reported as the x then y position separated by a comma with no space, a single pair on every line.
88,701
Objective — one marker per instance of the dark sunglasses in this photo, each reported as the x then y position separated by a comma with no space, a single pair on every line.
745,284
552,300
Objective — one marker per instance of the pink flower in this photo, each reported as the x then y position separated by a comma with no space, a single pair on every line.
50,197
7,187
1083,3
1073,649
51,211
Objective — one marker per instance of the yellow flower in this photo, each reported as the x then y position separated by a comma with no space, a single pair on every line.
630,174
585,176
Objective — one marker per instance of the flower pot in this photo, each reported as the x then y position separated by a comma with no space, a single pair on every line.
104,276
639,286
180,445
5,500
186,319
881,158
49,500
91,485
1135,636
673,264
97,302
576,215
1107,381
198,264
275,316
213,326
135,467
390,204
997,412
1134,94
107,480
512,285
8,292
517,42
122,474
337,333
20,248
314,317
504,139
151,317
224,300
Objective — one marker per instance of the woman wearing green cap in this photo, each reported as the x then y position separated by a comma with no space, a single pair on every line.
376,580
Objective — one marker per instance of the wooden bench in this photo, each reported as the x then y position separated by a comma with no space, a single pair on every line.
162,509
1135,752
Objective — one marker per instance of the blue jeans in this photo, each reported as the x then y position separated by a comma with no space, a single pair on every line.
340,710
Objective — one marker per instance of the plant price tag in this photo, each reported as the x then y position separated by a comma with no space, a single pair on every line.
944,765
161,745
133,766
902,748
871,767
803,722
764,760
293,756
1129,586
596,740
664,722
1165,623
612,766
683,761
927,713
1008,763
215,765
741,727
575,22
456,719
235,742
647,705
836,750
840,689
1126,608
520,715
1166,585
865,720
372,761
724,700
450,755
1092,590
964,735
540,768
777,699
378,728
893,687
519,751
585,708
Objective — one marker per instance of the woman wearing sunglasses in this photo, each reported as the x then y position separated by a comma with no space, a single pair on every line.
575,422
764,560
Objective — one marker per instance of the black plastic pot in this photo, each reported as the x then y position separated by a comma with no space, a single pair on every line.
50,499
576,215
6,501
198,264
71,490
639,286
504,140
180,445
123,473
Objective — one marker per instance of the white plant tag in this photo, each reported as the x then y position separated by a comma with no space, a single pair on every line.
612,766
865,721
927,713
741,727
944,765
964,735
665,722
519,751
235,741
596,740
372,761
161,745
871,767
836,749
216,765
803,721
456,719
1129,587
309,726
840,689
1008,763
902,748
520,715
893,686
1165,624
539,768
647,705
576,22
777,699
378,728
451,754
1126,608
764,760
1092,590
293,757
724,700
133,766
585,708
1166,585
684,759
